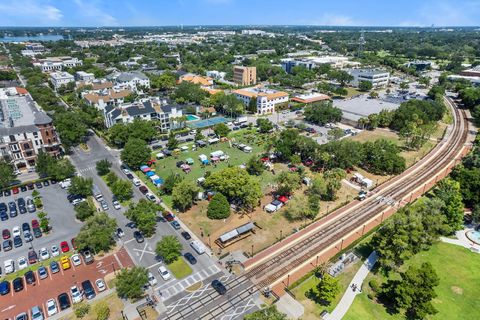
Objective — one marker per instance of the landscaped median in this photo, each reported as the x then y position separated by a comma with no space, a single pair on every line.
179,268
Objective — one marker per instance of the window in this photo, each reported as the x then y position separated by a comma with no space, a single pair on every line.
12,138
26,146
35,134
47,133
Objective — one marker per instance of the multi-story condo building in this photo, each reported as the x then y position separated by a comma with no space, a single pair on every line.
60,78
267,99
57,63
32,49
131,80
378,78
25,130
245,76
84,77
106,97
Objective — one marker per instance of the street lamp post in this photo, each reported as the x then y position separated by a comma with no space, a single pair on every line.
252,250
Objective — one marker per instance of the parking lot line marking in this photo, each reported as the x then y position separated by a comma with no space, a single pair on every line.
154,265
128,241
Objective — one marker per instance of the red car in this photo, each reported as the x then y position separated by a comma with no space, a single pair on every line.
64,246
6,234
168,216
15,190
35,224
32,257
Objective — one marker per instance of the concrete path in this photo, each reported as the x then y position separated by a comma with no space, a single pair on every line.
462,240
291,307
350,294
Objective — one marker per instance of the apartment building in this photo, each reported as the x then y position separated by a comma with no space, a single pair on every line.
378,78
60,78
32,49
131,80
245,76
267,99
25,130
57,63
102,98
314,61
84,77
204,82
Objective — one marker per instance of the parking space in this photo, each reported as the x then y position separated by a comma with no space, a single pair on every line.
51,287
61,217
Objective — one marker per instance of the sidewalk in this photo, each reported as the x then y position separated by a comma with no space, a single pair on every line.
350,294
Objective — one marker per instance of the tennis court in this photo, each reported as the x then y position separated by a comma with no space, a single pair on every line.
207,122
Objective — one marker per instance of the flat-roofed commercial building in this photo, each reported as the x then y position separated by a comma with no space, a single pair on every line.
378,78
267,99
245,76
24,129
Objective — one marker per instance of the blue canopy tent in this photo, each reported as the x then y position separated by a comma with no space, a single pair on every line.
150,173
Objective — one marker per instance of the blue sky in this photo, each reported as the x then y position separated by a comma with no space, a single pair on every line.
254,12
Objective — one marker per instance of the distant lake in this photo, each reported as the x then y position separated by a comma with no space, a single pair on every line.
48,37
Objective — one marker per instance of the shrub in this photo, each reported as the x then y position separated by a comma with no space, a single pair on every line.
374,285
218,208
102,310
81,310
111,178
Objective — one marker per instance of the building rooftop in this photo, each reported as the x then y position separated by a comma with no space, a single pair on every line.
129,76
363,106
19,113
60,75
367,72
311,97
203,81
253,92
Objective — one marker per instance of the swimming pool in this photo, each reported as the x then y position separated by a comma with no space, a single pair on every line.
191,117
205,123
473,236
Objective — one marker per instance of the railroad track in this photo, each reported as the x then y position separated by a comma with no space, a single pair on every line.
284,260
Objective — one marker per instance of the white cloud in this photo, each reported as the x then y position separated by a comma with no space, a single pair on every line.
329,19
446,13
92,9
35,12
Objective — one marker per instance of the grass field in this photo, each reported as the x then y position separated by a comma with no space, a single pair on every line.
179,268
167,166
458,291
115,304
312,309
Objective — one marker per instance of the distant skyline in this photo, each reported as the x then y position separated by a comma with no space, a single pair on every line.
78,13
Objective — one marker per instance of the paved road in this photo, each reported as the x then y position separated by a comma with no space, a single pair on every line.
62,220
141,253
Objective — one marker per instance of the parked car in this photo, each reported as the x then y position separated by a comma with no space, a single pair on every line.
143,189
39,185
42,272
22,263
17,284
37,313
101,286
6,234
7,245
120,232
151,197
219,287
43,253
55,251
88,290
76,294
4,287
30,277
12,207
87,256
54,268
116,204
186,235
190,258
16,232
37,232
164,273
63,301
104,205
168,216
17,241
138,236
65,263
175,225
151,279
32,257
51,307
64,246
76,260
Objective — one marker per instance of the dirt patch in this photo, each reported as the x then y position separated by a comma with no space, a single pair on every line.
195,286
457,290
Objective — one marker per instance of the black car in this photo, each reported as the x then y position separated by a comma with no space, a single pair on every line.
17,284
88,289
175,225
37,232
235,128
12,207
243,126
17,242
7,245
190,258
21,202
219,287
129,176
6,193
23,188
30,186
25,226
3,215
138,236
46,183
22,210
53,181
63,301
30,277
39,185
186,235
180,163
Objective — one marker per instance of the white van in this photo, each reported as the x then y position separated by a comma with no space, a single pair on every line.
137,182
198,246
66,183
151,279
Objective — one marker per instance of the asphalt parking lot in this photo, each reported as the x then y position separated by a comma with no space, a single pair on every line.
38,293
62,220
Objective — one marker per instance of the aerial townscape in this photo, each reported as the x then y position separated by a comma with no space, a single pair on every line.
239,159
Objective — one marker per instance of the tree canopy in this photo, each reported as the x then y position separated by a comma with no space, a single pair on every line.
97,233
130,282
169,248
6,174
322,113
218,207
135,153
144,214
184,194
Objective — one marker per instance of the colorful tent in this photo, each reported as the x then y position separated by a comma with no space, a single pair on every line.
189,160
150,173
143,167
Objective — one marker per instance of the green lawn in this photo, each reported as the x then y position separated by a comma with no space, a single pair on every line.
458,291
179,268
167,166
312,309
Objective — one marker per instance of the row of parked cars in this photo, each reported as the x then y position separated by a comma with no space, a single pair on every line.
14,238
12,210
64,299
24,188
